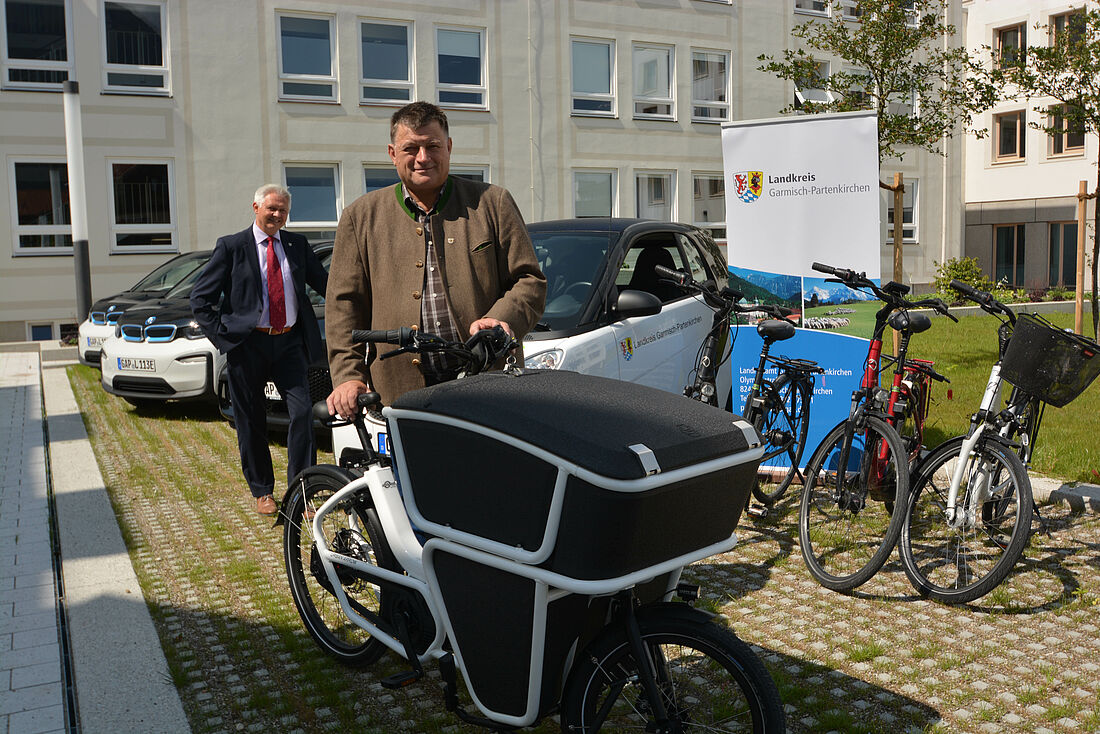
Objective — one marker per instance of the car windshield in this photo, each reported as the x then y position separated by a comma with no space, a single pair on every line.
169,275
183,288
572,262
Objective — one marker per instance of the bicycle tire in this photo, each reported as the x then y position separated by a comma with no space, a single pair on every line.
704,671
958,565
355,527
783,426
847,532
911,425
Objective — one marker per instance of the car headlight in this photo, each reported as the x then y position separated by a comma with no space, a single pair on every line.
551,359
192,330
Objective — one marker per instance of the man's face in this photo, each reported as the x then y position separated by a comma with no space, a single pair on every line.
422,156
271,213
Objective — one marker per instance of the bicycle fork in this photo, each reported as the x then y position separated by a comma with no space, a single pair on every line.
978,485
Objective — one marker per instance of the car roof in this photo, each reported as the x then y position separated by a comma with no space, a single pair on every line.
616,225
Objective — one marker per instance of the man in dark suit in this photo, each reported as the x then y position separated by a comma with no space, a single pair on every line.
251,302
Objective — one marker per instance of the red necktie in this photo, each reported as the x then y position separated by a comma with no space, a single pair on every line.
276,302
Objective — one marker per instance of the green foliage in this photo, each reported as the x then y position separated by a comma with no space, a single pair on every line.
965,269
901,56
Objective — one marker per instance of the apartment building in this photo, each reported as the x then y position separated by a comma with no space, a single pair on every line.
579,107
1021,182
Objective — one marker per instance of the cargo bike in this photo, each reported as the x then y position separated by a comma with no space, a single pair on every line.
528,529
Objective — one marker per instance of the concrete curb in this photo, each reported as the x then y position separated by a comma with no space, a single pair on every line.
120,672
1079,497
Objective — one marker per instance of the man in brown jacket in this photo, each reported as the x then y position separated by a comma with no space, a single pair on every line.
436,252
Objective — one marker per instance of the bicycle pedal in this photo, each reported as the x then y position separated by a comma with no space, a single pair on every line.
400,680
758,511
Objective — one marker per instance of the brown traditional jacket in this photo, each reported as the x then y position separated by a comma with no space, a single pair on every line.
376,276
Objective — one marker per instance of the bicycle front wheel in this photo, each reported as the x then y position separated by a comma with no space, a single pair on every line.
961,561
783,427
354,531
853,503
708,679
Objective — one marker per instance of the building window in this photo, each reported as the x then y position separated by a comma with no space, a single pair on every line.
307,48
1067,138
861,92
901,104
135,36
379,177
43,226
461,67
1008,44
314,198
655,195
709,203
141,202
908,213
810,90
386,63
1009,255
1073,23
35,38
41,332
593,193
1009,136
653,75
593,77
473,173
710,86
1063,254
812,7
850,9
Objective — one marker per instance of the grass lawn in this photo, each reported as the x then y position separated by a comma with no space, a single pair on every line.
1067,448
860,323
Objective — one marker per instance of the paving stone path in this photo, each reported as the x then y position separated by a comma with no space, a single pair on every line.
1026,658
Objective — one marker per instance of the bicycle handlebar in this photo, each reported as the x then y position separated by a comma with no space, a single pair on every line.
984,299
478,353
401,337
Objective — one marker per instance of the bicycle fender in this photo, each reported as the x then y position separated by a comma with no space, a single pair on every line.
676,609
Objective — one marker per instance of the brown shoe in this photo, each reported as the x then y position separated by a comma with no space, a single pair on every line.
266,505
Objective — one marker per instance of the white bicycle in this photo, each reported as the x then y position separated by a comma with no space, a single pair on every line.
529,529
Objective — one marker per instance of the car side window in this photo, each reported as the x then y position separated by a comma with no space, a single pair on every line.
315,298
637,273
695,263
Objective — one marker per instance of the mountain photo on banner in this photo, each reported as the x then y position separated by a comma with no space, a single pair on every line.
837,308
758,286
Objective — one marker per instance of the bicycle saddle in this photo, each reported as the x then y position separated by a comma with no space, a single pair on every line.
914,323
775,330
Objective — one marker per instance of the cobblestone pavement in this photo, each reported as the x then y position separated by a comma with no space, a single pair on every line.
1026,658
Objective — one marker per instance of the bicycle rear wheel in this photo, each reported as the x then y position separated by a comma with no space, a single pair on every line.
709,680
783,427
960,564
356,532
850,516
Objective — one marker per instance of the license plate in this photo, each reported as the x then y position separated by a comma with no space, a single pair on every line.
271,392
95,341
133,364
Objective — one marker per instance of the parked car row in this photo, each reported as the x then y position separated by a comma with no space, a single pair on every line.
606,314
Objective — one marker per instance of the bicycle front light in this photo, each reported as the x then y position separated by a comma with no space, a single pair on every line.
551,359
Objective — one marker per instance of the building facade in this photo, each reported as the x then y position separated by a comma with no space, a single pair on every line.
578,107
1021,182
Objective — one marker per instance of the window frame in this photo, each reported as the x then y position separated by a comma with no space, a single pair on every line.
800,96
1053,31
1019,251
613,190
9,64
19,230
164,69
153,228
284,78
482,88
909,225
850,10
408,84
638,99
1067,151
611,97
314,224
696,101
461,170
1020,28
823,13
1059,262
1021,137
698,177
670,194
388,167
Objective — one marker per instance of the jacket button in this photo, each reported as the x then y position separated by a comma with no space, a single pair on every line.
419,263
420,230
416,361
416,295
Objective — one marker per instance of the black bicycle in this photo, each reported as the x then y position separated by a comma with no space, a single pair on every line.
778,404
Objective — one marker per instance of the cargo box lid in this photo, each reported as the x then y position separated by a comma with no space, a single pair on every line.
591,421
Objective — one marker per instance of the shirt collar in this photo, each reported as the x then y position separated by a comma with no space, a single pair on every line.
411,208
261,237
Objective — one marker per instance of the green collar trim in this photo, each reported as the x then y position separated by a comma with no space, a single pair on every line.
444,197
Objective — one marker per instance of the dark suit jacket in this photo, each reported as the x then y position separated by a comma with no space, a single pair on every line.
227,299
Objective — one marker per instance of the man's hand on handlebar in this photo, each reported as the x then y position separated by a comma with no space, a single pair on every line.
342,400
488,323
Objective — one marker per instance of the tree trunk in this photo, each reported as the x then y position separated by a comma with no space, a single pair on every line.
1095,252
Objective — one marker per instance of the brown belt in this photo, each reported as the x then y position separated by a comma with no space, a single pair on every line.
274,332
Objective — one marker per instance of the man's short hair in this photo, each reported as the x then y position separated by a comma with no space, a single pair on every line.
263,192
416,115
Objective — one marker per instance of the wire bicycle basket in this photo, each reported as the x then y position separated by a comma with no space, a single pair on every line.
1052,364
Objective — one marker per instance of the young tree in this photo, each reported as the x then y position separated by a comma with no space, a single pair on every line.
1064,75
920,86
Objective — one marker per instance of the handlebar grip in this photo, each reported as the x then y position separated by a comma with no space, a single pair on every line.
681,277
731,294
784,311
384,336
823,268
966,289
